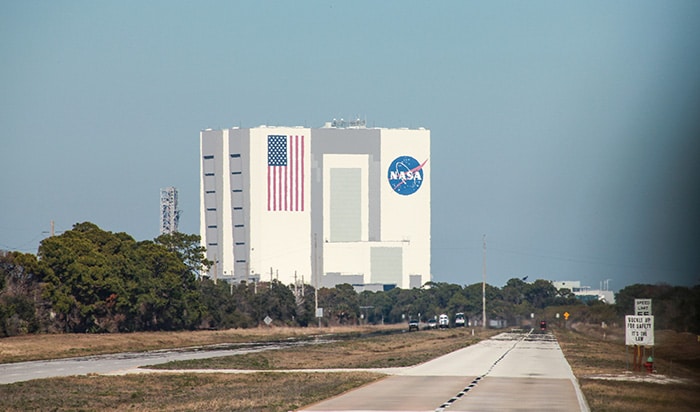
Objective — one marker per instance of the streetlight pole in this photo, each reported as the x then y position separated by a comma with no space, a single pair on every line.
483,287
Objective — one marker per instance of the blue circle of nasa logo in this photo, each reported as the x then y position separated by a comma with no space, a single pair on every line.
406,175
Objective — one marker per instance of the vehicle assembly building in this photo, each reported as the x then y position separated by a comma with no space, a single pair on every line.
339,204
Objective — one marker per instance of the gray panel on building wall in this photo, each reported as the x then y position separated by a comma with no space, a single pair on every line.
236,182
210,218
415,281
374,218
208,165
332,279
239,175
346,141
345,204
237,199
386,264
236,162
209,183
238,217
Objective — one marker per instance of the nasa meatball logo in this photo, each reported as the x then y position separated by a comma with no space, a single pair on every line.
406,175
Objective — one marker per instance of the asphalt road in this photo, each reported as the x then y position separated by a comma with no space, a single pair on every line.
513,372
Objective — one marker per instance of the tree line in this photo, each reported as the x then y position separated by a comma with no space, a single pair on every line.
95,281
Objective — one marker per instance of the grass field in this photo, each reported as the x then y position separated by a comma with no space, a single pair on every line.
39,347
264,391
602,364
592,355
179,392
384,351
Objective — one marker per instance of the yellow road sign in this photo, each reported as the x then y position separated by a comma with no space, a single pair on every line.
566,315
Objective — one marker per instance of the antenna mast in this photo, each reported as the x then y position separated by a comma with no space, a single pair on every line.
169,213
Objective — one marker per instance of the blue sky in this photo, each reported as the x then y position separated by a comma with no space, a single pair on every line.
567,133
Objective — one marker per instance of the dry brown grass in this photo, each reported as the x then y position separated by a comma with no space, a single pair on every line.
594,354
262,391
589,354
614,396
374,352
179,392
591,350
39,347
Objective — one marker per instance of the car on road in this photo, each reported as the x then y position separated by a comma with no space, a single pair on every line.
443,321
432,323
413,325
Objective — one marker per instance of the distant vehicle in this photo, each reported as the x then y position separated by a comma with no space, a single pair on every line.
460,320
412,325
443,321
432,323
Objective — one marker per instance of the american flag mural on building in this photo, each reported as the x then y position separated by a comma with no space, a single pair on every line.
285,173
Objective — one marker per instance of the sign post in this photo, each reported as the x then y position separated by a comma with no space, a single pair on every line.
639,332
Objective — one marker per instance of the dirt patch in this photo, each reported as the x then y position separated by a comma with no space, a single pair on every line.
635,377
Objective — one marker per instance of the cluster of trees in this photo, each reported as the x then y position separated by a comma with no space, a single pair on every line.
91,280
673,307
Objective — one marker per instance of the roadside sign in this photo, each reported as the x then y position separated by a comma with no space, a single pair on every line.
267,320
639,330
642,307
319,312
566,315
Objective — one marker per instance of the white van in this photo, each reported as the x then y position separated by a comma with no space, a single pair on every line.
443,321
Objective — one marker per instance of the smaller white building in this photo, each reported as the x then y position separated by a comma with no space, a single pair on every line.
585,293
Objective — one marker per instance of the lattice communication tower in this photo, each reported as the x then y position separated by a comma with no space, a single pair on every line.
169,213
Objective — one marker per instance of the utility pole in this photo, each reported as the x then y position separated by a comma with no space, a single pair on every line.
215,269
483,287
314,271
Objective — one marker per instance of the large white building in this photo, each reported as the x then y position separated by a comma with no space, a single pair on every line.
348,203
